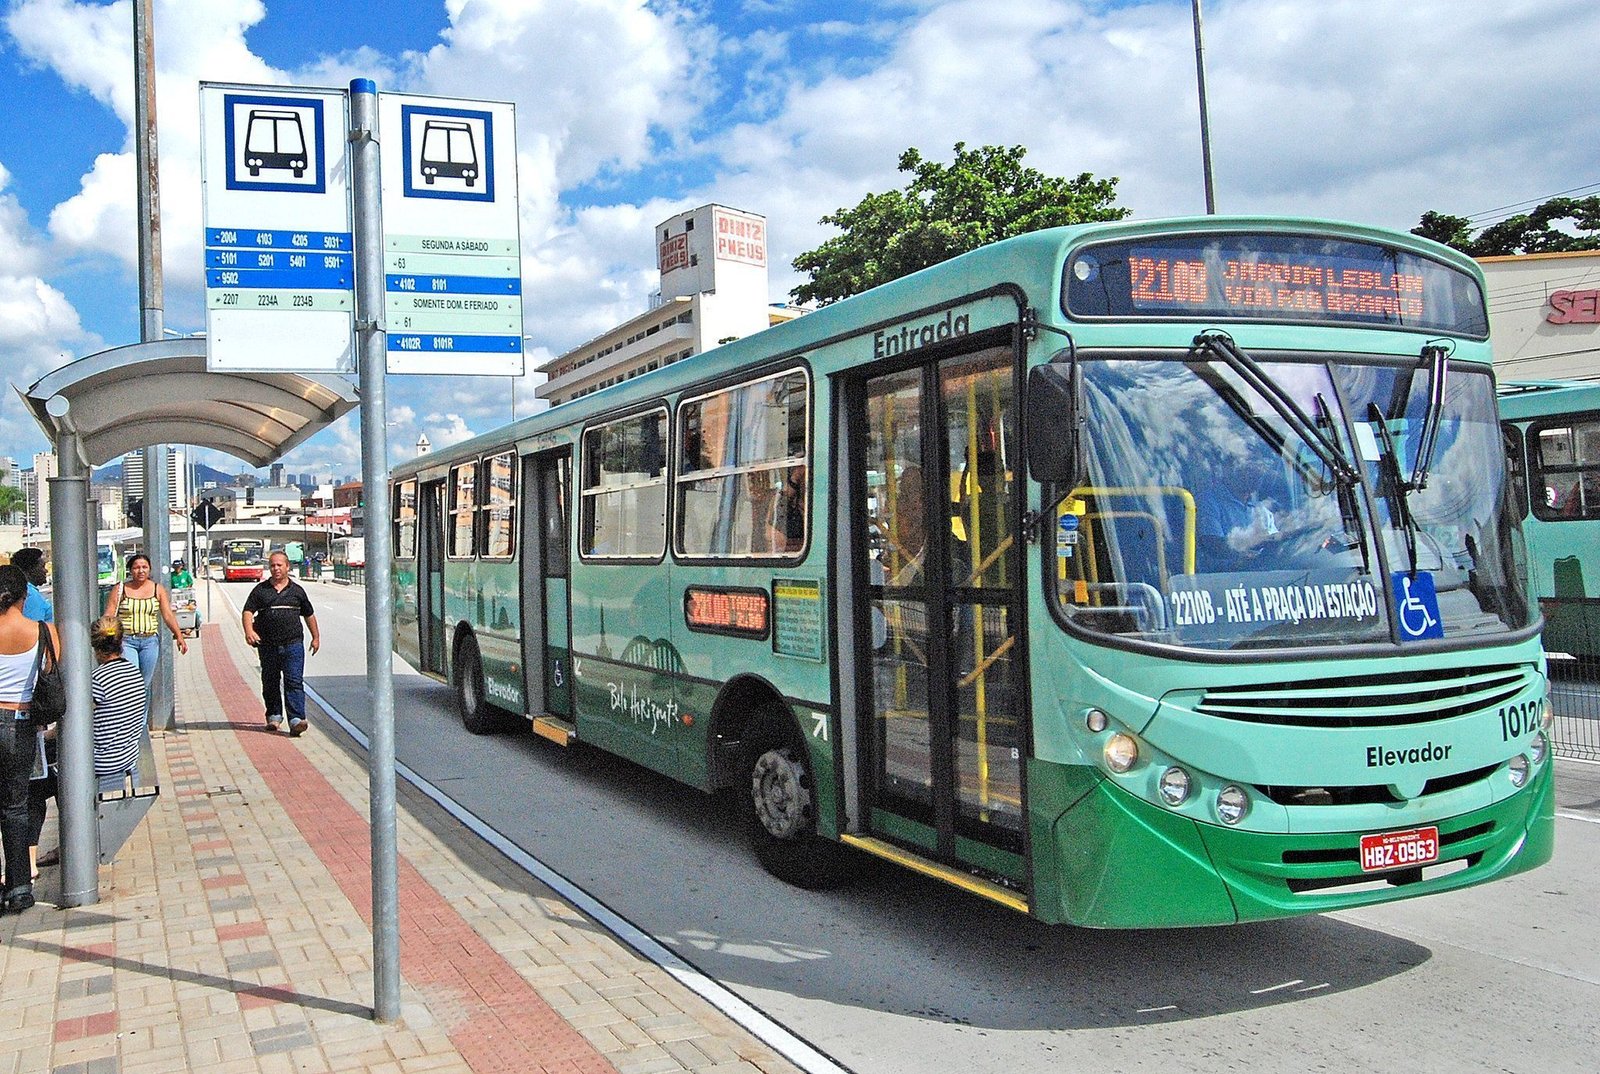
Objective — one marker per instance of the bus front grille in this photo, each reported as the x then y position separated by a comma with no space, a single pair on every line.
1374,794
1411,697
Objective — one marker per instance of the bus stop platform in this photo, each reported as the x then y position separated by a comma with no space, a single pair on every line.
233,931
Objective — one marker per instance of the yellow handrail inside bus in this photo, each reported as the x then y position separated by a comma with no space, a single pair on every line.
1075,504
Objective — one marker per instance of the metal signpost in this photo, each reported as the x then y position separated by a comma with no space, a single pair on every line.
452,251
280,272
302,273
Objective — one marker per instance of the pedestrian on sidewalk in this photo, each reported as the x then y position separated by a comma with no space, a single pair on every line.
142,604
37,607
121,707
19,743
271,616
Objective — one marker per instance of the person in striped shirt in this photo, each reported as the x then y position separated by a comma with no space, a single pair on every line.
121,707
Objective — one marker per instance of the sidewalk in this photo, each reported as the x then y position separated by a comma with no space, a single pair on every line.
233,932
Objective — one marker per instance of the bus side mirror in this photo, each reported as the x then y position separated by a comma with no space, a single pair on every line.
1052,423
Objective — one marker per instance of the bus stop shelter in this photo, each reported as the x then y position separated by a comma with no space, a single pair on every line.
96,409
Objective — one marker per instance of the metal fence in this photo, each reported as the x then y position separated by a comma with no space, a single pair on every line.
1575,699
348,574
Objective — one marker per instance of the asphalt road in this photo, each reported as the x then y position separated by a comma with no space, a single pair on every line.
901,975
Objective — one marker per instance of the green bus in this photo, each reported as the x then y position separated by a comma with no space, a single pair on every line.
1553,453
1128,575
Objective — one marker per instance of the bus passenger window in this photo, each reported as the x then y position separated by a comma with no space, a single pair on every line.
1566,463
742,480
624,496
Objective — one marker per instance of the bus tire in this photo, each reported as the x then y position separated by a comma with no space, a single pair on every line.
472,700
777,796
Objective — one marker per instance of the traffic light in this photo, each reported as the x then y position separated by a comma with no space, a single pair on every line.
136,512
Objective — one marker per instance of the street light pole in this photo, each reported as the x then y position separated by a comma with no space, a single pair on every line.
1205,121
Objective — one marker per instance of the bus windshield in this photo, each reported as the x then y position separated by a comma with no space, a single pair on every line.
244,552
1206,520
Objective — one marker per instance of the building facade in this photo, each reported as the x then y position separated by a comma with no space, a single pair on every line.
714,288
1544,313
133,469
36,487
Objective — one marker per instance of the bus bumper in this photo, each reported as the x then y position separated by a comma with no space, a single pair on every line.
1111,860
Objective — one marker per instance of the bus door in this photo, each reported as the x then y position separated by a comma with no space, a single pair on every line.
940,721
545,579
430,576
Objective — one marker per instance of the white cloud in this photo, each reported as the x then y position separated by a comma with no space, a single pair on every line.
446,429
1328,107
40,330
1317,107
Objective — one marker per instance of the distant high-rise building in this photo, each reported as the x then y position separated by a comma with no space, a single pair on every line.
276,478
177,477
38,490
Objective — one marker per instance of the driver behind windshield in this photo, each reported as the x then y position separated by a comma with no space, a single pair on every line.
1237,508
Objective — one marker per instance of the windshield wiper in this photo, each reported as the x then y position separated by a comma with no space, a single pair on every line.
1397,492
1437,357
1222,347
1349,515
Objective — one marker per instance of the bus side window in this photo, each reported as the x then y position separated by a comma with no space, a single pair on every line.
1566,470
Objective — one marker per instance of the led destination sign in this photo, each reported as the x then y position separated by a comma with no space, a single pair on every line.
726,611
1273,277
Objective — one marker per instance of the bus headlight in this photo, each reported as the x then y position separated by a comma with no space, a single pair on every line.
1174,786
1518,769
1096,720
1547,717
1121,752
1232,804
1539,748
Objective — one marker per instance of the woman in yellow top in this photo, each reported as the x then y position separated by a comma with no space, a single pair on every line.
143,605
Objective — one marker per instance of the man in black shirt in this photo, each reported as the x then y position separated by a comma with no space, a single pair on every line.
272,615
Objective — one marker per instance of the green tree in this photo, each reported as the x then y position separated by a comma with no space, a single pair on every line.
1533,232
984,195
11,501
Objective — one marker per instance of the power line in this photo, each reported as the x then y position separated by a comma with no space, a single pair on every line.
1511,209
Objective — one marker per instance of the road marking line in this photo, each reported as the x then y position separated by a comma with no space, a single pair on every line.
1576,816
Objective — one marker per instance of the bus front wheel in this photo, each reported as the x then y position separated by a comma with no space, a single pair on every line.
471,698
778,799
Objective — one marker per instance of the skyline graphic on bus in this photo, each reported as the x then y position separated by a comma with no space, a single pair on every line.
448,150
275,139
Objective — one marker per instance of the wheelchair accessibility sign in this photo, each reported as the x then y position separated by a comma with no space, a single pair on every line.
1416,606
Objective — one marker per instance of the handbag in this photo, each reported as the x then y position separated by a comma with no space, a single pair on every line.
49,702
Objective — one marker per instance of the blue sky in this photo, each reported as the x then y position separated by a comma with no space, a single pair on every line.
631,111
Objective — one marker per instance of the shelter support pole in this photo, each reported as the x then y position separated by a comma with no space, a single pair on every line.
372,355
73,557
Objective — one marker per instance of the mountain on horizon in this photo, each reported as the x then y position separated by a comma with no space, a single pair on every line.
111,474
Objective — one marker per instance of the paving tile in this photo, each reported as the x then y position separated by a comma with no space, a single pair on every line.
199,957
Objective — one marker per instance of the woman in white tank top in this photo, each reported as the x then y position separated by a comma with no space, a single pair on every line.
19,640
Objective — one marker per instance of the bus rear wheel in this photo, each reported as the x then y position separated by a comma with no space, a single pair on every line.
472,700
777,795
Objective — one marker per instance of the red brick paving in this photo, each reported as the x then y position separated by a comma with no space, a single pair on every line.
439,952
93,1025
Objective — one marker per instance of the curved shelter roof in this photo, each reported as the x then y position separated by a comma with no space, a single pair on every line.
126,398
